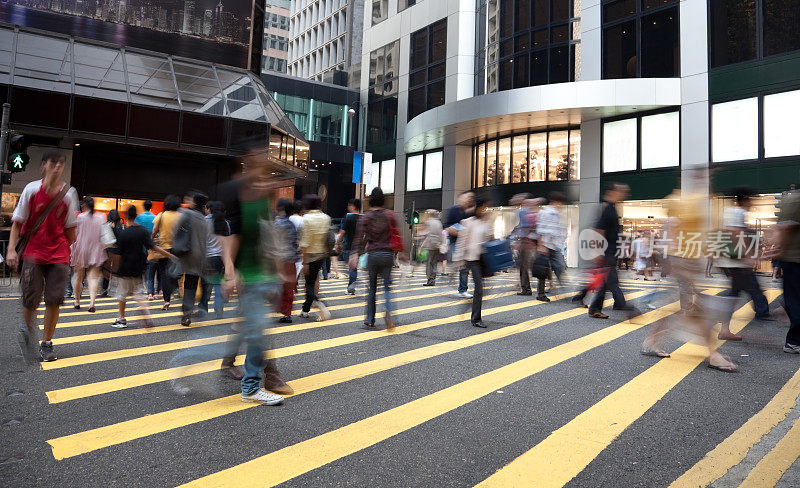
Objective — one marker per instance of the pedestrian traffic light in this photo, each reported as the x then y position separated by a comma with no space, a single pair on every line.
415,218
18,159
408,216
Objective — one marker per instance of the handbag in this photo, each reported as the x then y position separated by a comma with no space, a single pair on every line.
497,255
362,261
107,236
114,260
182,240
25,239
540,268
395,241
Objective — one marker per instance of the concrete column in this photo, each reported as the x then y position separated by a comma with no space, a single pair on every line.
456,173
591,66
589,203
695,137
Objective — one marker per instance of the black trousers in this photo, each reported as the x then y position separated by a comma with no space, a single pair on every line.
611,284
477,295
168,283
314,268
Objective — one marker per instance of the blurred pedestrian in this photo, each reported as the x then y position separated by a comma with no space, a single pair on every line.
788,245
523,236
218,229
43,224
609,227
146,219
641,249
313,248
738,264
475,231
287,255
431,243
551,233
347,237
193,261
164,227
250,272
132,245
88,253
463,208
377,230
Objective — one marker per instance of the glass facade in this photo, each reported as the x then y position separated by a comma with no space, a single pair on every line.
384,72
426,85
525,43
641,39
318,121
745,30
522,158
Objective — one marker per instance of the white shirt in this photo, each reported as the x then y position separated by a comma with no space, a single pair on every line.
23,210
552,232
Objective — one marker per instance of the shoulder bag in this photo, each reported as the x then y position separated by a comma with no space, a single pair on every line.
25,239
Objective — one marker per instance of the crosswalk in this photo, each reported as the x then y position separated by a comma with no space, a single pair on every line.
335,359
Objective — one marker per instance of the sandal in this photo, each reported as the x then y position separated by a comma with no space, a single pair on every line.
598,315
165,306
728,367
729,337
656,353
91,310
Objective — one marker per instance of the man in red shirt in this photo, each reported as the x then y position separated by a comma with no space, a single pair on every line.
45,260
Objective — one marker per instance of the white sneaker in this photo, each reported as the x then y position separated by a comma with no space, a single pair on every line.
465,294
323,314
120,324
263,397
304,315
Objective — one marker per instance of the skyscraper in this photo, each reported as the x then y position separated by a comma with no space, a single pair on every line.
208,20
188,16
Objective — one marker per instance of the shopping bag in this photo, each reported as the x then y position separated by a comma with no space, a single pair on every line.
540,268
497,255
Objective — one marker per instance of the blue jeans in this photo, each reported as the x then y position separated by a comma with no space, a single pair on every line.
463,272
351,273
150,277
255,306
379,262
791,300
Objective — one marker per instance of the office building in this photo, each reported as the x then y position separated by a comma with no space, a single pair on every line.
276,36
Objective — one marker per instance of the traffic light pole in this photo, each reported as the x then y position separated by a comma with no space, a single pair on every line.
4,139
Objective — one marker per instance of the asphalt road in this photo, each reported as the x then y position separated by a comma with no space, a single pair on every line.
545,396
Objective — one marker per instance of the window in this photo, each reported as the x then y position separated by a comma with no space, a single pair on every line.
383,78
780,124
427,62
619,146
404,4
424,171
387,176
522,158
641,39
642,143
526,43
736,35
661,140
734,130
380,11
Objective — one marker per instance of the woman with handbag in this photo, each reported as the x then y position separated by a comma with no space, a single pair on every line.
164,227
378,235
474,233
88,253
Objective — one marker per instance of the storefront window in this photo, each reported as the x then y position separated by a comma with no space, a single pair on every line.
537,147
619,146
519,167
481,166
414,173
524,158
780,124
734,130
491,163
558,151
387,176
433,170
275,144
661,140
503,161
